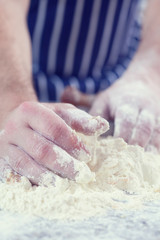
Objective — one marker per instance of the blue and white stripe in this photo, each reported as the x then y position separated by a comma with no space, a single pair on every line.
84,43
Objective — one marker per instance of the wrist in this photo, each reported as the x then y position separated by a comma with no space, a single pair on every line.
144,68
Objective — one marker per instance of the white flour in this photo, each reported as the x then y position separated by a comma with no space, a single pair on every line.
119,176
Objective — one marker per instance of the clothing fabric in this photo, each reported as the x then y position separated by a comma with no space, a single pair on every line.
84,43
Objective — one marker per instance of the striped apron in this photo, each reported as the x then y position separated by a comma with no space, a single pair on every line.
87,44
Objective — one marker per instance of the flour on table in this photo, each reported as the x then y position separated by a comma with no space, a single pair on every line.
119,176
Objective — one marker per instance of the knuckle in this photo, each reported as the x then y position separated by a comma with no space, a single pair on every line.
59,132
146,128
25,106
42,151
55,129
19,164
128,123
61,108
50,127
69,105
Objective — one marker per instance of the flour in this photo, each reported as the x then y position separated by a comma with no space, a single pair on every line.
119,176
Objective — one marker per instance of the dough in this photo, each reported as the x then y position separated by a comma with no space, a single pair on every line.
123,177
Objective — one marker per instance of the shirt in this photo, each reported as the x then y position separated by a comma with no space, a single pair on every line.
87,44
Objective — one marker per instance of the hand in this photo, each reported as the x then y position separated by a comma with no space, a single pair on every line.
134,108
39,139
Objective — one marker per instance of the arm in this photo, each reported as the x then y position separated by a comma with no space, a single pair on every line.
15,57
36,138
133,101
146,59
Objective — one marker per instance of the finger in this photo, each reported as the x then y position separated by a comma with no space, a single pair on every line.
154,143
100,106
7,174
52,127
125,121
47,154
77,98
22,164
39,147
80,120
142,132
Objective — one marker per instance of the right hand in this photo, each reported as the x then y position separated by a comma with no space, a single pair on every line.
40,138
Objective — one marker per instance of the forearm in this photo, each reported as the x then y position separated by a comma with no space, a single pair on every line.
146,60
15,57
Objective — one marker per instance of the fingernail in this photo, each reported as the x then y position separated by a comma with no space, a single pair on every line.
99,125
84,174
82,155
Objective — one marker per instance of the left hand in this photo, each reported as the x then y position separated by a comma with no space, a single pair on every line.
134,108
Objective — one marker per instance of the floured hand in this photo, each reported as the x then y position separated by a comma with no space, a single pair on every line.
134,108
41,138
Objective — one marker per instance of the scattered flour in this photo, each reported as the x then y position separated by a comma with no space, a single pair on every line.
123,177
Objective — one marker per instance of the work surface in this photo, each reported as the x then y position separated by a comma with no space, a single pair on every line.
139,224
